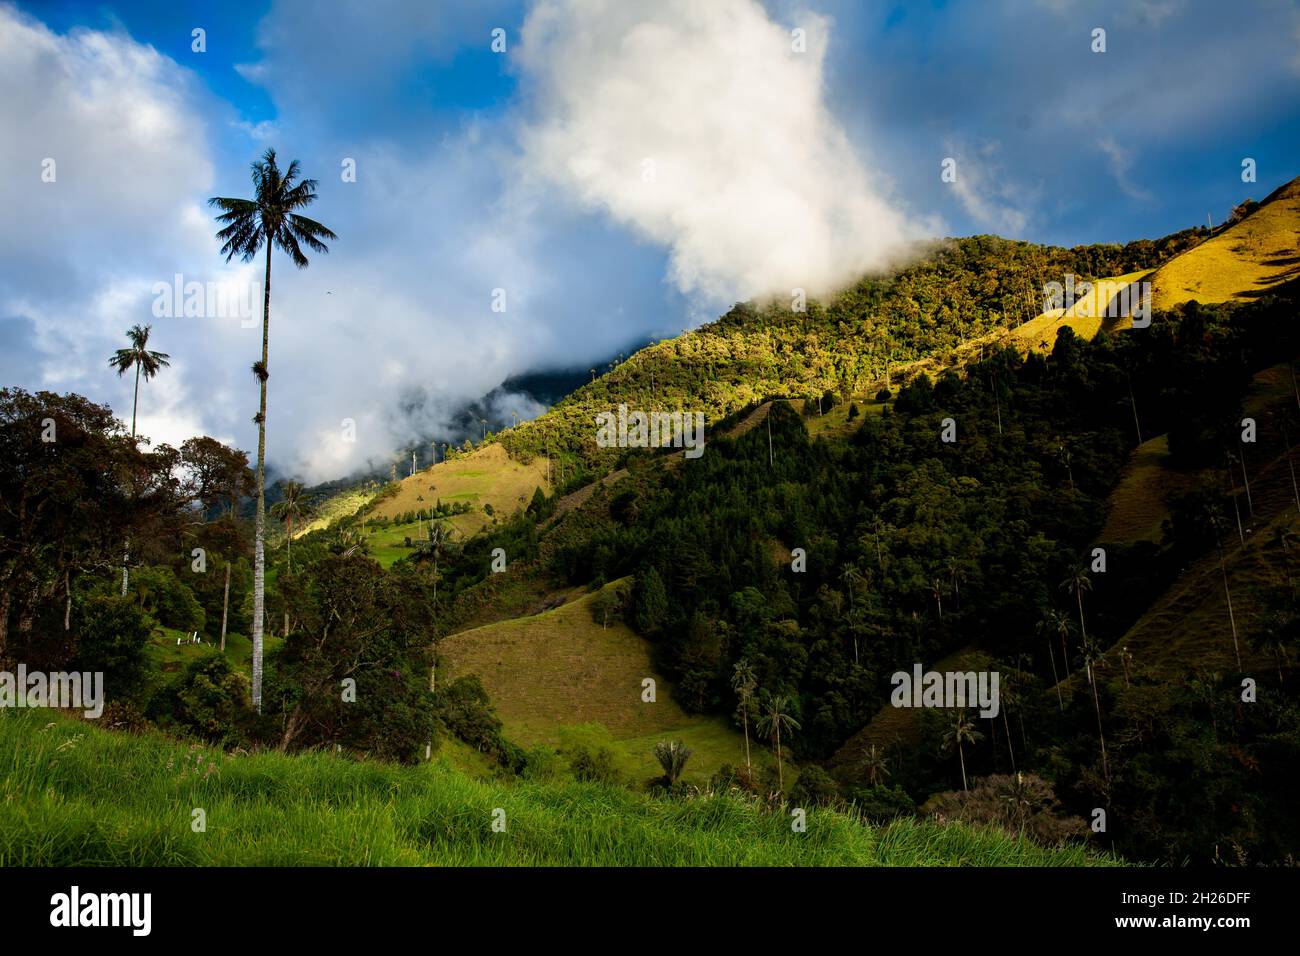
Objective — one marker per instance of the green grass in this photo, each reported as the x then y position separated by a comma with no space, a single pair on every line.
73,794
168,659
387,544
559,675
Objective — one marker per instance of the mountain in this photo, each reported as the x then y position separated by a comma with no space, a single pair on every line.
1074,431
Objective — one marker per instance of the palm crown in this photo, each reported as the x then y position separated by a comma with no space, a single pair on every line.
270,217
138,357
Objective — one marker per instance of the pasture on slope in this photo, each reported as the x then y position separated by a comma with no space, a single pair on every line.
553,676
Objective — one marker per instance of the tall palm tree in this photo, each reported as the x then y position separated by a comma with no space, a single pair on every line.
268,219
743,683
875,764
962,731
775,719
1077,580
1057,623
137,356
1217,523
1092,657
290,508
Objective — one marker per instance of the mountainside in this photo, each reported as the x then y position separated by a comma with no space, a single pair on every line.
1073,430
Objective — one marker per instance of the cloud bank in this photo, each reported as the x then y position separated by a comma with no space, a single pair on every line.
703,126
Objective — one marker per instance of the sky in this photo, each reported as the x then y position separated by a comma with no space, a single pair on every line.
544,184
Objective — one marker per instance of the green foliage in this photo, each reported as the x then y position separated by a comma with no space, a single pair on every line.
357,622
209,700
164,597
880,804
650,603
114,631
814,788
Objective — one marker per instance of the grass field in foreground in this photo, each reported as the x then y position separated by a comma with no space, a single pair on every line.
73,794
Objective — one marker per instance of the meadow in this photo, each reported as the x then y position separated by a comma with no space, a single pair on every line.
73,794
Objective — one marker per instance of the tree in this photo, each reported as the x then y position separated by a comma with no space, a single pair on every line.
1055,622
651,603
672,756
267,220
875,765
775,719
293,506
1077,580
218,475
64,507
138,357
1092,657
743,682
962,731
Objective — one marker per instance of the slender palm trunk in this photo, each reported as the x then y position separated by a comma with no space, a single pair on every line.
1011,751
1083,631
1101,736
126,550
67,607
225,608
962,757
259,527
744,722
1056,680
1227,593
780,775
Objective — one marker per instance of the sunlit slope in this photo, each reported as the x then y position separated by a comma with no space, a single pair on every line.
562,668
1105,303
1257,255
485,476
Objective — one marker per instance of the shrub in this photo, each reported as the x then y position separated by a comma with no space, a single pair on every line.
883,395
113,637
593,764
207,701
881,804
815,788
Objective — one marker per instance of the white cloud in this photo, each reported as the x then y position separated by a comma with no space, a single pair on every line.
697,125
986,191
1120,163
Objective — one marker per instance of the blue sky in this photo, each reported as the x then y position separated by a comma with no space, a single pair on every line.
621,171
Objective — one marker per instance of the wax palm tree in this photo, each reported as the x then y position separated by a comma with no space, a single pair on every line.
775,719
1093,658
962,731
743,682
290,508
139,357
1077,580
875,764
1056,623
268,220
1217,523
